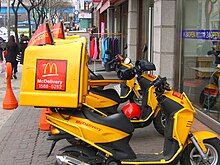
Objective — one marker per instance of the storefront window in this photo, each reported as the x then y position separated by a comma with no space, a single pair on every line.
201,45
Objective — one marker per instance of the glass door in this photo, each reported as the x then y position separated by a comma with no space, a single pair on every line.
200,35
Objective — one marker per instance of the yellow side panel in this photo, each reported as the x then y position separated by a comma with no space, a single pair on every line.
183,125
98,101
63,61
152,100
84,71
86,129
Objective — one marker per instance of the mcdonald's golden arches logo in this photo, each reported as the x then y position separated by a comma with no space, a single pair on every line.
50,69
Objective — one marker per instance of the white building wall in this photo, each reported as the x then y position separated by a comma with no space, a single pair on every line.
164,38
132,29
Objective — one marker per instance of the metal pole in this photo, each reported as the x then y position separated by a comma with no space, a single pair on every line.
49,10
150,32
8,18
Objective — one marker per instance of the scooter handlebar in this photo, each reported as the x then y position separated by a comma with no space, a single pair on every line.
161,83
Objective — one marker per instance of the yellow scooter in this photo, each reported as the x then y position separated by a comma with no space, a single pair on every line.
52,80
106,140
108,100
140,115
137,84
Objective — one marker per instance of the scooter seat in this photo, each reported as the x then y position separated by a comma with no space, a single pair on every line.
118,120
109,93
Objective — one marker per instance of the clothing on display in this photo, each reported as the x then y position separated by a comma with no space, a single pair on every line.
104,48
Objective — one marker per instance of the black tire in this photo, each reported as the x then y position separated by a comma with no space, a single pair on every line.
214,153
111,161
207,101
159,122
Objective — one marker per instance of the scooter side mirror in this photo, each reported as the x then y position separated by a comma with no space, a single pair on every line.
127,61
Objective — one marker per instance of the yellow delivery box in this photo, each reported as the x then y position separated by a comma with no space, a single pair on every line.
68,39
55,75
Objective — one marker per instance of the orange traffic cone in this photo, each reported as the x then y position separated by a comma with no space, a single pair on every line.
43,125
9,102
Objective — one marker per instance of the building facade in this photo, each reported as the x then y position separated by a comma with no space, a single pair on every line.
179,34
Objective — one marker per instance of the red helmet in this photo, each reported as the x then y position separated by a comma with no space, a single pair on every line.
132,110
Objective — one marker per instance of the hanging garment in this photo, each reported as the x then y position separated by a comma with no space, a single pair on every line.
96,52
92,44
116,46
104,48
110,47
100,47
106,56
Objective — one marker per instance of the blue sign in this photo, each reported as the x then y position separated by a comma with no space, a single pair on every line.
201,34
21,10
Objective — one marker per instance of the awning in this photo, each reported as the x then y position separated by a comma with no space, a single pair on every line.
98,7
96,1
105,6
108,3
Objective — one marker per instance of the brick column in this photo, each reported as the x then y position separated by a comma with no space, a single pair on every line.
132,28
164,38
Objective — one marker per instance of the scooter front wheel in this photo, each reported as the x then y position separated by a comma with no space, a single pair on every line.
160,122
191,156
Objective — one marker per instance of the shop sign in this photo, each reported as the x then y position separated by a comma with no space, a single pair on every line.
51,75
85,15
96,1
201,34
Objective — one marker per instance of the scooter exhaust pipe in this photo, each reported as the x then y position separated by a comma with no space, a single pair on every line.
69,160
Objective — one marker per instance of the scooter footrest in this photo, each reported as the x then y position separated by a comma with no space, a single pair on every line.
146,157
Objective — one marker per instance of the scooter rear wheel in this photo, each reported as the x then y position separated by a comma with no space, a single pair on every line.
191,156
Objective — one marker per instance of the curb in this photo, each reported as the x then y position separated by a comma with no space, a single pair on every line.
208,121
